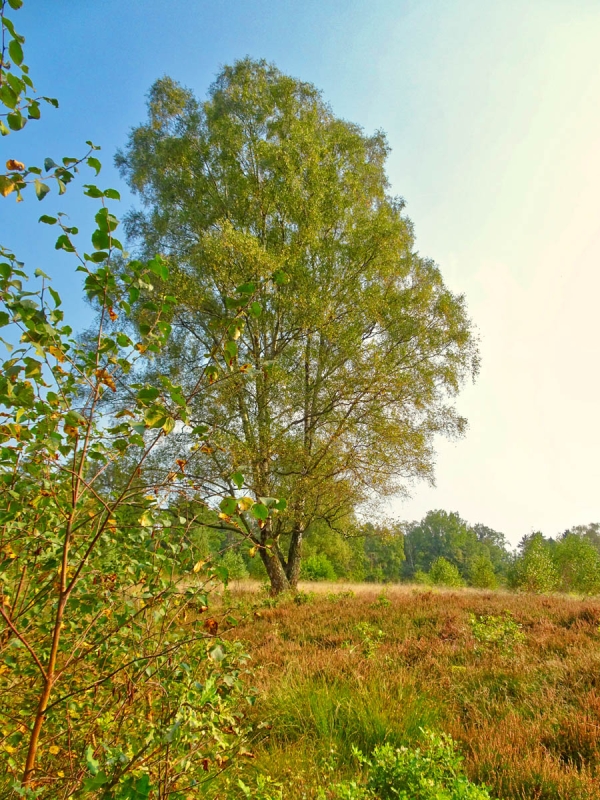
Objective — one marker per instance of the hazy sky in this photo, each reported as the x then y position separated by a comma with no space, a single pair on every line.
492,111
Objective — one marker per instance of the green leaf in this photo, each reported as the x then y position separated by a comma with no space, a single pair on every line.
90,784
11,28
6,185
94,164
137,789
15,51
15,83
159,268
33,110
8,97
222,573
49,164
16,121
217,654
228,505
100,240
177,396
106,221
148,394
238,479
15,4
74,419
92,764
231,349
269,502
156,416
64,243
48,220
246,288
231,303
41,189
280,505
3,129
260,511
92,191
168,425
255,309
112,194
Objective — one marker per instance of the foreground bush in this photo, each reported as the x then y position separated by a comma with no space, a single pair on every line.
107,687
432,773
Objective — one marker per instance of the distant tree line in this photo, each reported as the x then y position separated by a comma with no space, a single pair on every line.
569,563
441,549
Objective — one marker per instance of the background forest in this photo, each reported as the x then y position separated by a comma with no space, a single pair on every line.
442,549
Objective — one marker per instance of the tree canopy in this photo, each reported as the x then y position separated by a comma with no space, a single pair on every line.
334,384
473,549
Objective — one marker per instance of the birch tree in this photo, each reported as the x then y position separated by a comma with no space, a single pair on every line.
342,370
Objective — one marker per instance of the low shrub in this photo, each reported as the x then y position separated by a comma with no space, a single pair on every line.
421,577
371,637
434,773
481,573
235,565
317,568
500,631
444,573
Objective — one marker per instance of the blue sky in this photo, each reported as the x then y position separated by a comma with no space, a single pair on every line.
491,110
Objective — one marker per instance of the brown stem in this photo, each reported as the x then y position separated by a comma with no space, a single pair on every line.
63,596
273,565
294,557
24,641
18,592
45,696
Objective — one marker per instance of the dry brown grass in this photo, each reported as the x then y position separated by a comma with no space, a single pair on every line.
526,717
250,586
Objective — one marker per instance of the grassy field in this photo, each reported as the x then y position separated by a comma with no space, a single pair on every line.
514,679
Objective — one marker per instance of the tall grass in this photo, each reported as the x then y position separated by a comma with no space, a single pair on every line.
525,711
340,714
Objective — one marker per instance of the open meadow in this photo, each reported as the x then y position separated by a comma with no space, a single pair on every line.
513,678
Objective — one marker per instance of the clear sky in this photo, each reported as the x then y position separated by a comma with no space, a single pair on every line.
493,115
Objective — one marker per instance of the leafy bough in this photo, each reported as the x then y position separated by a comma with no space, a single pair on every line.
109,684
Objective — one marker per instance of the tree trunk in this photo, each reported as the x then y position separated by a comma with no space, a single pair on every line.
294,558
275,571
